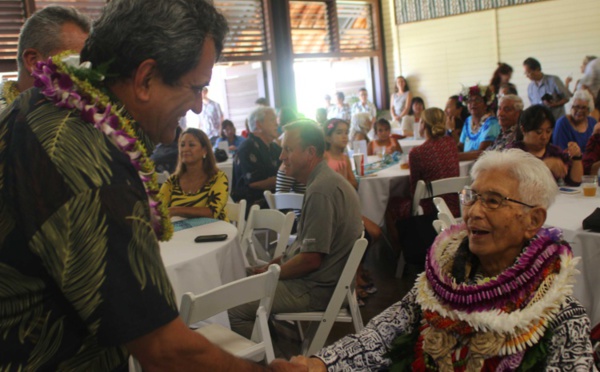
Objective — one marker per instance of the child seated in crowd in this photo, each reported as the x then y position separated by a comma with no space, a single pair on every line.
384,143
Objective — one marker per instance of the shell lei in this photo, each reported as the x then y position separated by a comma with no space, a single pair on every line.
497,317
58,83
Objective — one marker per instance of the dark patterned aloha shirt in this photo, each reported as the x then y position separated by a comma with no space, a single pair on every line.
254,161
213,195
80,266
504,139
592,153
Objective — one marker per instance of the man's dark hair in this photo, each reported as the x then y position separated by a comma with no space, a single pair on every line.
42,31
262,101
170,32
532,63
310,134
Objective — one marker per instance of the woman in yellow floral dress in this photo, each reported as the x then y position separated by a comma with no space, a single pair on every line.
197,188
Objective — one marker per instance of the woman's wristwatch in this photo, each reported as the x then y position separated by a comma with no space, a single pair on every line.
579,157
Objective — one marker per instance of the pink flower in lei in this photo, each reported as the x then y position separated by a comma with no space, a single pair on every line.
66,91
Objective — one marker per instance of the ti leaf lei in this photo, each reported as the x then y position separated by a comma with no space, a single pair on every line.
72,86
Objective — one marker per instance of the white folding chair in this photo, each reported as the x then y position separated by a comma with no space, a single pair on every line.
322,322
236,212
162,177
439,226
284,200
270,219
438,187
195,308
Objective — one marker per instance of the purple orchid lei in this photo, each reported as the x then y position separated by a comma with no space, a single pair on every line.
512,284
61,86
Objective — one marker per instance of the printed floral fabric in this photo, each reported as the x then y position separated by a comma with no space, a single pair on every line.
214,195
254,161
80,266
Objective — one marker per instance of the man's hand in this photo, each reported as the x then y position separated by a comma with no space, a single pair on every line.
280,365
596,129
313,364
260,269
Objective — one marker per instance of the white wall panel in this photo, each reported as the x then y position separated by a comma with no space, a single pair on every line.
438,55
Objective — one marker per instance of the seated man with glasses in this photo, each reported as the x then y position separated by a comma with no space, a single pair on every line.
495,294
578,125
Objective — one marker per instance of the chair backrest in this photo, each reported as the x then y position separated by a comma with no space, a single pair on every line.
162,177
267,219
284,200
438,187
439,226
315,343
236,212
261,287
195,308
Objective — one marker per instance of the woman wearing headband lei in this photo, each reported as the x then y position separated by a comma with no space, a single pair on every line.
495,294
481,127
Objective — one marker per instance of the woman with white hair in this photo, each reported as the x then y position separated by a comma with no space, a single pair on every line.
578,125
495,294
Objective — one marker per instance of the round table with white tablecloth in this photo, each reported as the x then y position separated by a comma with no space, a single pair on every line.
376,189
199,267
567,213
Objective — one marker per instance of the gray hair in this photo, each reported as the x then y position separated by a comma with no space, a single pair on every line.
536,183
258,116
170,32
310,134
584,95
42,31
516,100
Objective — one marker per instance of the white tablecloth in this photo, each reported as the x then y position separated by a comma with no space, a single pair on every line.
375,190
567,213
199,267
408,143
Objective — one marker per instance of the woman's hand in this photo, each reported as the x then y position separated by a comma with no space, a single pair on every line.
175,212
313,364
232,148
573,149
557,167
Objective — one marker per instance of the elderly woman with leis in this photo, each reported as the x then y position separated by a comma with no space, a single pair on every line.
495,294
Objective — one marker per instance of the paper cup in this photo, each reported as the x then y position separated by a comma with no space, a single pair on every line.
359,164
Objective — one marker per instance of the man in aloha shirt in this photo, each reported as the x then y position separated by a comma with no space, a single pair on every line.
510,107
47,32
82,283
257,159
211,116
